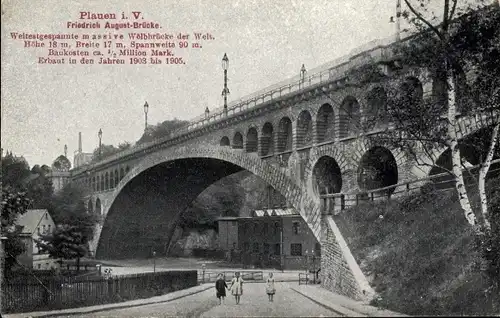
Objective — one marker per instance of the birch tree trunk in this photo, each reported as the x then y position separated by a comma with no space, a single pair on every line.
482,177
455,151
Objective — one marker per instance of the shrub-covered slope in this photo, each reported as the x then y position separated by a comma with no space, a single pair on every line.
419,253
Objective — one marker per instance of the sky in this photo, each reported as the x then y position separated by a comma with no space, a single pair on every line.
45,106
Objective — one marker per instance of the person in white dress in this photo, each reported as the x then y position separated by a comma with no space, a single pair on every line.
270,289
237,287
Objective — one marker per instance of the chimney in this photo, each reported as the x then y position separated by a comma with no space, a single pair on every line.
80,142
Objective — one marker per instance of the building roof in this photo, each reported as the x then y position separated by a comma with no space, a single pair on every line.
262,213
31,219
228,218
275,212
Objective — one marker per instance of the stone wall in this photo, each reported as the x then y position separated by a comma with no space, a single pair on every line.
340,272
335,273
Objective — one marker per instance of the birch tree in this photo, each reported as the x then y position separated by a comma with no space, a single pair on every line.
458,52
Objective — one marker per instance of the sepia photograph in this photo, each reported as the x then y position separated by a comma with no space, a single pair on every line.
250,158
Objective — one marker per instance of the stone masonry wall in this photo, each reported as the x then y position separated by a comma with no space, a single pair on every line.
336,275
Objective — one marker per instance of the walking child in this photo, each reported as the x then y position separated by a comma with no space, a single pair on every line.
270,290
220,287
237,287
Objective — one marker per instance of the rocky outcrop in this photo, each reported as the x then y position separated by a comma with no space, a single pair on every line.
193,239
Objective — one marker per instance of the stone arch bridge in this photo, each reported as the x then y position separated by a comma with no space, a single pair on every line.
302,137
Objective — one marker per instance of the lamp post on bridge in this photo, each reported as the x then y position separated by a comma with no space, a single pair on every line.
225,91
207,112
303,72
398,20
99,134
154,261
146,108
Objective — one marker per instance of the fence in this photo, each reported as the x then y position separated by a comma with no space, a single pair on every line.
209,277
67,292
443,181
308,278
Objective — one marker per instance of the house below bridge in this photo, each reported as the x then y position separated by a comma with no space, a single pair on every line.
34,224
270,238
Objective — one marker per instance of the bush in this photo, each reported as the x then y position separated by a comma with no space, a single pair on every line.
421,254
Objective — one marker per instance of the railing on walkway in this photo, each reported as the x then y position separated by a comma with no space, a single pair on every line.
308,278
69,292
442,181
209,277
374,51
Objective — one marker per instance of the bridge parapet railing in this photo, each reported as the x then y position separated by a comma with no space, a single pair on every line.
336,202
372,52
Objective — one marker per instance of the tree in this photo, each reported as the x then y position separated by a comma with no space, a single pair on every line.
104,152
68,208
40,190
460,57
124,145
458,51
13,204
161,130
66,242
15,170
75,226
109,150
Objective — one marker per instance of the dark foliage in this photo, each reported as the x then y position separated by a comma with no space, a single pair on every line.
161,130
421,255
14,203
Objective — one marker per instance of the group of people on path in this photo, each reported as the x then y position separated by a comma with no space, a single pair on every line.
236,287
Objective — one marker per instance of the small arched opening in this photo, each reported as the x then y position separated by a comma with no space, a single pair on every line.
350,117
304,129
327,177
106,181
412,93
284,135
224,141
325,123
117,179
267,140
90,207
377,169
377,111
237,141
98,207
252,140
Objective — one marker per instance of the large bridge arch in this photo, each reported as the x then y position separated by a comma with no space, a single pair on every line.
195,159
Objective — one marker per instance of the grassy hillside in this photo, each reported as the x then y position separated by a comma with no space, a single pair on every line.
420,255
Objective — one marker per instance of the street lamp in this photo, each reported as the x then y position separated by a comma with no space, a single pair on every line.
314,265
225,91
303,72
307,258
99,134
398,19
146,108
203,267
154,261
